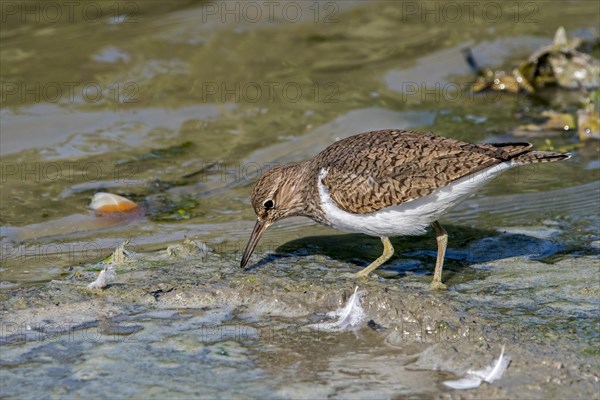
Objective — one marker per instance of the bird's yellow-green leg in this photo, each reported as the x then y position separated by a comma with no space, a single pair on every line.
388,251
442,241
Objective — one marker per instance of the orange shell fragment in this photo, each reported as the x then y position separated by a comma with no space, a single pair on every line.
111,203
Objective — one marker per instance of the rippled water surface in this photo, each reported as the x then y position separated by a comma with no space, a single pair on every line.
178,106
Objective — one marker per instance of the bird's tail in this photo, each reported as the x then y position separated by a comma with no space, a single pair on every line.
531,157
519,153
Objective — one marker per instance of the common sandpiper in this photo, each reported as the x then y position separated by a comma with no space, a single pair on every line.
385,183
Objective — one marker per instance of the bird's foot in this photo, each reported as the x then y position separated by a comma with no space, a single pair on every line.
349,275
437,285
361,275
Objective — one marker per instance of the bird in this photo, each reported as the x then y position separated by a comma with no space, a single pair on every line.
385,183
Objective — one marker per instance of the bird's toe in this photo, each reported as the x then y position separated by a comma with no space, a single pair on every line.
437,286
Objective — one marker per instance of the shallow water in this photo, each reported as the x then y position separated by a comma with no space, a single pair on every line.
178,107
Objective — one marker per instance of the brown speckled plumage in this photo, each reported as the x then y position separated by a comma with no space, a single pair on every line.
379,169
371,171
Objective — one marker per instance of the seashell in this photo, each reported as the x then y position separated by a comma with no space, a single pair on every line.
111,203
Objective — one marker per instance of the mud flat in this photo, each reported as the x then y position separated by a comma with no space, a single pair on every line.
187,321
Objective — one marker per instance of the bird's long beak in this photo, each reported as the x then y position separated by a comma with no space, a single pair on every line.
257,232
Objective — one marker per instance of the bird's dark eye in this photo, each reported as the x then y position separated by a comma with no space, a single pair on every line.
269,204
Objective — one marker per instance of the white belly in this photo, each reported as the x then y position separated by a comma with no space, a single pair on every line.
410,218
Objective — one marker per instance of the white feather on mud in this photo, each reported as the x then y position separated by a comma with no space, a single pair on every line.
349,316
109,273
488,374
105,277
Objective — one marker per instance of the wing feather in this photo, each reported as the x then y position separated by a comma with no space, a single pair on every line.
378,169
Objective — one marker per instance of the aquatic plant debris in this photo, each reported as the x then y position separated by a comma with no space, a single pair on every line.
489,374
120,255
552,120
111,203
349,316
564,63
105,277
189,248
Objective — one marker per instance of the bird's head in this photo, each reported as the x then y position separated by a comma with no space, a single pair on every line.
276,195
